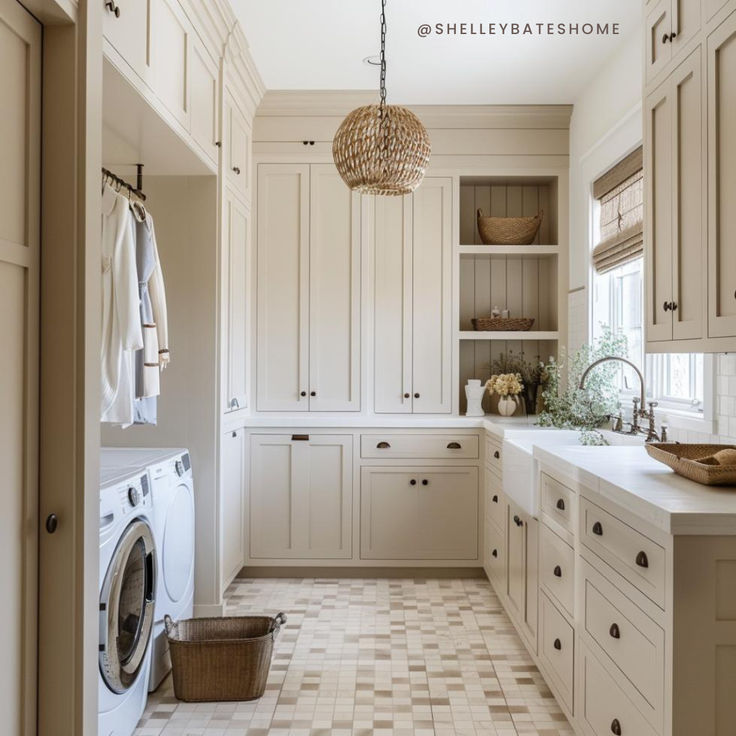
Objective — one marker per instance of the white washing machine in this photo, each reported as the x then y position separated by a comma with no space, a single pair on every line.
128,571
172,491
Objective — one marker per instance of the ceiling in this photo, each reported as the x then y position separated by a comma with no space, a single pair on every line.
321,45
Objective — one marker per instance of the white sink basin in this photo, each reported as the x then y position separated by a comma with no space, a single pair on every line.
519,466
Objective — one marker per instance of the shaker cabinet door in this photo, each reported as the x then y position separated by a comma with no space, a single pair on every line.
233,549
128,33
238,148
204,100
657,39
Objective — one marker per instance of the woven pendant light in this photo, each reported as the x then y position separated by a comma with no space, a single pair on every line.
382,149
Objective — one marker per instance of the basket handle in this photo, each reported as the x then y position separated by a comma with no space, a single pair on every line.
480,213
170,625
278,621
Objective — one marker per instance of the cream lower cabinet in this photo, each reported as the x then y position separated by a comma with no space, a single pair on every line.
232,484
300,497
308,290
412,322
522,576
419,513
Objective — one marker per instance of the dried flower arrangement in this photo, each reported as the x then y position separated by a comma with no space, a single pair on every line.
505,384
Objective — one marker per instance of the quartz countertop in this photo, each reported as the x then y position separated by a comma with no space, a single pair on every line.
627,476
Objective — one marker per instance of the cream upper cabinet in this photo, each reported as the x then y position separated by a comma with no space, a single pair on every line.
300,497
670,26
235,255
232,494
675,223
308,290
722,181
238,143
127,31
203,87
412,300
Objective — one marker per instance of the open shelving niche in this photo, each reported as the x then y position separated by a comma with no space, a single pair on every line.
525,279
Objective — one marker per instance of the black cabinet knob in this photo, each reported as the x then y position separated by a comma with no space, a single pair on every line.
407,396
673,306
615,727
497,455
383,445
454,446
667,306
312,393
518,521
557,571
425,482
236,169
113,8
416,396
557,645
642,560
673,36
234,434
495,499
614,631
413,482
303,393
560,504
666,38
494,553
598,529
52,523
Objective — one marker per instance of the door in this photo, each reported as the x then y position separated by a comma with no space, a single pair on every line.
127,31
334,293
20,87
431,296
657,39
516,581
392,325
722,180
204,99
283,287
238,141
658,212
688,209
233,552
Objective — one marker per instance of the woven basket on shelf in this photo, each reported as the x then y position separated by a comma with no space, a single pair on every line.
508,230
503,324
222,659
683,459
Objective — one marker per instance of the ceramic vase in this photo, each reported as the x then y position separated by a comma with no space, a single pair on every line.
474,392
507,405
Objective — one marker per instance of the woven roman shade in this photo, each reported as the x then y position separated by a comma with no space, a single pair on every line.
621,195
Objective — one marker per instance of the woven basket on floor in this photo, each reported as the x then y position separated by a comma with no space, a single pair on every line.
221,658
508,230
503,324
683,459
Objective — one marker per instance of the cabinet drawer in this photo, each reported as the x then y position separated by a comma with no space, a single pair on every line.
494,455
634,643
557,568
495,543
416,446
558,502
640,560
557,650
495,508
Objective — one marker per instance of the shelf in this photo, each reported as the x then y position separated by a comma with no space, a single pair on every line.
501,335
527,251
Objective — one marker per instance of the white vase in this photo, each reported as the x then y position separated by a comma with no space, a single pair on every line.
507,405
474,392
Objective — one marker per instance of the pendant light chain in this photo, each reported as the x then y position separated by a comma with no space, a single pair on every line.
383,54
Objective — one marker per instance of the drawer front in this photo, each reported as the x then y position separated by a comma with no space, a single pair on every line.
424,446
496,554
629,637
558,502
494,455
495,508
557,568
557,650
640,560
604,707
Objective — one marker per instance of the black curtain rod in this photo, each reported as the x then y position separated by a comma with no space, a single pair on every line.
136,190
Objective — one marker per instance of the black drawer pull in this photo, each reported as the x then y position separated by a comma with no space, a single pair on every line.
312,393
598,529
52,523
495,499
495,553
416,396
413,482
642,560
425,482
665,38
234,434
557,571
300,438
557,645
560,504
615,727
518,521
497,455
614,631
302,393
236,169
383,445
407,396
454,446
113,8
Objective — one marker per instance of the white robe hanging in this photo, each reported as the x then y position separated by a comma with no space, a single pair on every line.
121,322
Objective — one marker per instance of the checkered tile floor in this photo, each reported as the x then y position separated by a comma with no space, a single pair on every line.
377,658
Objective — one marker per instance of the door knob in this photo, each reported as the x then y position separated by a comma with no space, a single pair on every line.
52,523
494,553
303,393
614,631
642,560
497,455
666,306
560,504
416,396
557,571
425,482
615,727
413,482
598,529
407,396
495,499
312,393
558,645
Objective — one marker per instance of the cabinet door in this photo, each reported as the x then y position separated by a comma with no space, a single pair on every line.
238,148
657,39
392,324
170,51
686,23
419,513
235,304
722,180
231,482
658,213
204,107
516,582
283,287
128,33
334,293
431,296
688,222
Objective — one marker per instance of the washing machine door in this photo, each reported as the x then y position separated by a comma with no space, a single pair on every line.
127,607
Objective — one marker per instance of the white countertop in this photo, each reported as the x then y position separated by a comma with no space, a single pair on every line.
627,476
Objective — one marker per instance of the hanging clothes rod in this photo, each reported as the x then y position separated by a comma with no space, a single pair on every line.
136,190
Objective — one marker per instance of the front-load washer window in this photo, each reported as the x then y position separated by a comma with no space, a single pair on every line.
127,607
178,543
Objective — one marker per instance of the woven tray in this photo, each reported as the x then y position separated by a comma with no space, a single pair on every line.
508,230
503,324
683,459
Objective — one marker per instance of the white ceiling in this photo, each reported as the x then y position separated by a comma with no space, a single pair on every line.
321,45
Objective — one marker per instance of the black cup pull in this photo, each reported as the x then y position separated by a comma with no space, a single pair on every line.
495,553
615,727
383,445
557,571
454,446
598,529
495,499
52,523
497,455
413,482
560,504
300,438
557,645
614,631
642,560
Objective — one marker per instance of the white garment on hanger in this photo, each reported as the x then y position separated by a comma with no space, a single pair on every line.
121,323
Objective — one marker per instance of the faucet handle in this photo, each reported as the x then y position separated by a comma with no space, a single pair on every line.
636,401
653,404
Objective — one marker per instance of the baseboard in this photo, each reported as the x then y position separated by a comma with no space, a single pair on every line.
443,573
209,610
